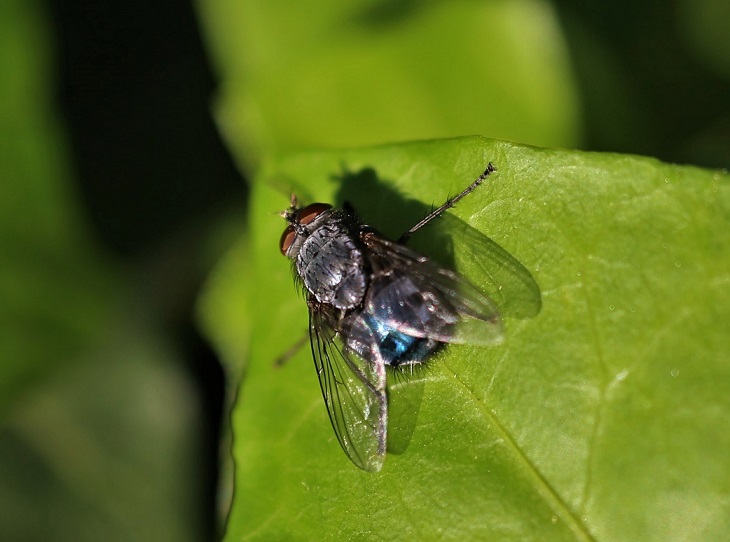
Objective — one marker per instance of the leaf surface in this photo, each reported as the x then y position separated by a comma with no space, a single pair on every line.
604,416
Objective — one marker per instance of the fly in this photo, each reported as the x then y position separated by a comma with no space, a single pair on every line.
375,303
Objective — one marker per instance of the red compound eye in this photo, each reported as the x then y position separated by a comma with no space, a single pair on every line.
310,212
287,238
303,216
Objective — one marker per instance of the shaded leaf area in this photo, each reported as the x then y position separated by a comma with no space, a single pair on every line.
615,397
330,73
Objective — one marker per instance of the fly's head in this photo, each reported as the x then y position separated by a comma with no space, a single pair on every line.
302,221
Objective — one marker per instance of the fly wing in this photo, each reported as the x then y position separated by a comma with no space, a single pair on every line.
415,295
353,388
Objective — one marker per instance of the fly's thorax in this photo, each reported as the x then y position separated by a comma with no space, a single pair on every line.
330,262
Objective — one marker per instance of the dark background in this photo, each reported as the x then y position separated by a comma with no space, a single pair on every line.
135,88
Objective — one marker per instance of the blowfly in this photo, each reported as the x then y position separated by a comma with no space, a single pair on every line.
375,303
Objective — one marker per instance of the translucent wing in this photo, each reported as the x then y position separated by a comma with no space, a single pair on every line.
353,387
415,295
508,283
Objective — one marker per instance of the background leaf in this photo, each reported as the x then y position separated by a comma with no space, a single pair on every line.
328,73
604,417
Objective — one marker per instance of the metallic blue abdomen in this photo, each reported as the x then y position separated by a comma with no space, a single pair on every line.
398,348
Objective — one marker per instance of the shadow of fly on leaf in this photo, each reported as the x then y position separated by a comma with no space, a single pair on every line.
375,303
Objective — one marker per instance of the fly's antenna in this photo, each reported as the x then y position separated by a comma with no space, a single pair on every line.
290,213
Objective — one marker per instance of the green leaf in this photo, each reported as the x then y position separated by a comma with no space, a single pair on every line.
605,416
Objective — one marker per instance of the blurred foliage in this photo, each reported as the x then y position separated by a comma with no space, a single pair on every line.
51,281
704,28
650,77
98,423
107,449
328,73
637,77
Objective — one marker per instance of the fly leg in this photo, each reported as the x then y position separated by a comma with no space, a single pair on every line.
447,205
293,349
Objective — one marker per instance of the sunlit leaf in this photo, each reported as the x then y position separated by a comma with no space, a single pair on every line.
606,416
